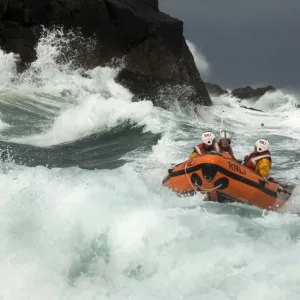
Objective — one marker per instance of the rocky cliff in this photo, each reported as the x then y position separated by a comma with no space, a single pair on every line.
215,90
242,93
250,93
156,57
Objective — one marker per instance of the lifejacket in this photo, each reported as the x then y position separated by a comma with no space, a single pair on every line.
227,149
201,150
251,160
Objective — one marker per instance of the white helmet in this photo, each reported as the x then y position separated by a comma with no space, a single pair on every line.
208,138
262,145
225,135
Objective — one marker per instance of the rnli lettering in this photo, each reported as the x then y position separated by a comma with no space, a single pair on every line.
236,168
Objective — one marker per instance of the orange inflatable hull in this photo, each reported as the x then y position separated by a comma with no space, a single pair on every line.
225,180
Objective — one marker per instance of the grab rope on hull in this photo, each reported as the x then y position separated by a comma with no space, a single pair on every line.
197,185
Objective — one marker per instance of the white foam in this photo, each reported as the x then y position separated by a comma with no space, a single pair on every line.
3,125
226,100
8,67
75,234
50,219
200,60
94,114
276,101
86,103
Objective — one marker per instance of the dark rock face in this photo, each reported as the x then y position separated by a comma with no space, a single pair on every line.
215,90
151,43
248,92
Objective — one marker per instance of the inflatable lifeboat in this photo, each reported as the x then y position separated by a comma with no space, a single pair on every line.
224,180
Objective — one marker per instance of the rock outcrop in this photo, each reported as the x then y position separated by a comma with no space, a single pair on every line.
248,92
151,43
215,90
242,93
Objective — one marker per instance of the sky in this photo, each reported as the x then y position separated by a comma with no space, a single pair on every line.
253,42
